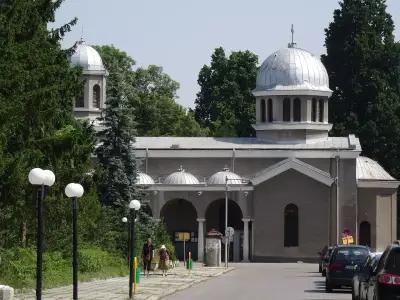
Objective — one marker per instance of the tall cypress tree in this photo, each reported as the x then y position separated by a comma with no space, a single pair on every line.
115,153
362,61
37,126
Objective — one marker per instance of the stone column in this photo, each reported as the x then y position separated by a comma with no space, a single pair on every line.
246,239
200,240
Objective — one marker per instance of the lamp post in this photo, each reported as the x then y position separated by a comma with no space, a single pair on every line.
41,178
125,220
74,191
134,205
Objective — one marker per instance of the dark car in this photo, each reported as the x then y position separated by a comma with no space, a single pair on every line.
384,282
325,260
321,258
342,265
362,274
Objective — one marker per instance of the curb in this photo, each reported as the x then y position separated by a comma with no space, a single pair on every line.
186,286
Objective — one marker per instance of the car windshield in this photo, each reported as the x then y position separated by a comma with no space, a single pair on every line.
393,262
353,254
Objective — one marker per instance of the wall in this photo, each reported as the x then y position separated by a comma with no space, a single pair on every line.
270,199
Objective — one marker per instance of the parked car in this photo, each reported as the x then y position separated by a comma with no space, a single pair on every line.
325,260
384,280
342,264
362,275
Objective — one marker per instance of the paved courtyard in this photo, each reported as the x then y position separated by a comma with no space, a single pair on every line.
292,281
264,281
151,288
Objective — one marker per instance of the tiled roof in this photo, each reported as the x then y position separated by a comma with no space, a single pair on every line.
368,169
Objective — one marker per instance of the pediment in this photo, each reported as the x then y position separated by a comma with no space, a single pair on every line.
294,164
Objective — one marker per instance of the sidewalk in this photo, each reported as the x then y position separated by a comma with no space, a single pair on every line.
152,288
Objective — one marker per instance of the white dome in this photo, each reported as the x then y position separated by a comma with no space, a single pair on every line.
292,69
87,57
144,179
181,177
220,178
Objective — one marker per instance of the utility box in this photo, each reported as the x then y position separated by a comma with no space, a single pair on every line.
213,248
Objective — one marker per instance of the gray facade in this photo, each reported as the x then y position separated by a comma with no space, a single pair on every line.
292,189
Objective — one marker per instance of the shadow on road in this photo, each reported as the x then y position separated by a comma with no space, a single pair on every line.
320,288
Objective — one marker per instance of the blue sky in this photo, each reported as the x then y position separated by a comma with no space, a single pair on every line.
180,35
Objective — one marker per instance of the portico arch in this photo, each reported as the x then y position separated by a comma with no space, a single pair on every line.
215,218
180,215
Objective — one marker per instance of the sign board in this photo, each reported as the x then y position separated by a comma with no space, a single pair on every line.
182,236
229,233
347,240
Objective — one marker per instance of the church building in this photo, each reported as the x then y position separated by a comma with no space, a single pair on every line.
292,189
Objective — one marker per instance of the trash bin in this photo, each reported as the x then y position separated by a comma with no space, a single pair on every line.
213,248
138,271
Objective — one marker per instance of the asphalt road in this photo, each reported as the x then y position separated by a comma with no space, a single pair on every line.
294,281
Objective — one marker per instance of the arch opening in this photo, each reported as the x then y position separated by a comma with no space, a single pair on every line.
291,224
296,110
263,111
270,108
96,96
286,110
365,234
180,215
215,219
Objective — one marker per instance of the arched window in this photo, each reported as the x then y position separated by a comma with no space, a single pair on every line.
263,111
291,225
297,110
96,96
314,110
80,101
365,233
321,110
270,108
286,110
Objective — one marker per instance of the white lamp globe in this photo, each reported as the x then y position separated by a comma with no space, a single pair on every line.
36,176
49,178
124,219
74,190
134,204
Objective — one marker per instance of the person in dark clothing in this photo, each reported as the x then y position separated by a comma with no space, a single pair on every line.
147,255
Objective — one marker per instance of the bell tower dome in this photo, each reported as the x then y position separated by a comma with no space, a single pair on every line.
91,101
292,92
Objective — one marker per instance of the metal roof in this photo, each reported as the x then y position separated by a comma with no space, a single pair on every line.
220,178
143,179
181,177
87,57
368,169
291,69
176,143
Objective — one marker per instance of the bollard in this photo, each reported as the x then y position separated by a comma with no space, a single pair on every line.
189,263
135,274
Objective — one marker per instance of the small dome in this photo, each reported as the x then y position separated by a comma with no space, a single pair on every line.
220,178
144,179
87,57
181,177
292,69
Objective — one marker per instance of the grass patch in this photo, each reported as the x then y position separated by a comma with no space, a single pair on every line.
18,267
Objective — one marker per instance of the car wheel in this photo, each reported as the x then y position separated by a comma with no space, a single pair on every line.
328,286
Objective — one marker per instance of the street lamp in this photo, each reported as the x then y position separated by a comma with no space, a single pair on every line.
74,191
134,205
43,178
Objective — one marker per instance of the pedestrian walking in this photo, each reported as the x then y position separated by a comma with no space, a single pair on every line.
147,256
164,260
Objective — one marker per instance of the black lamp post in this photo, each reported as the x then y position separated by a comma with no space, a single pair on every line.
134,205
74,191
42,178
125,220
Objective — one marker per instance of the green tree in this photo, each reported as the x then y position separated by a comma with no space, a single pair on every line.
362,61
37,127
225,104
115,154
152,96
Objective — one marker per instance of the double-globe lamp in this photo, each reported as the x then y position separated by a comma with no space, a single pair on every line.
74,191
42,178
134,206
